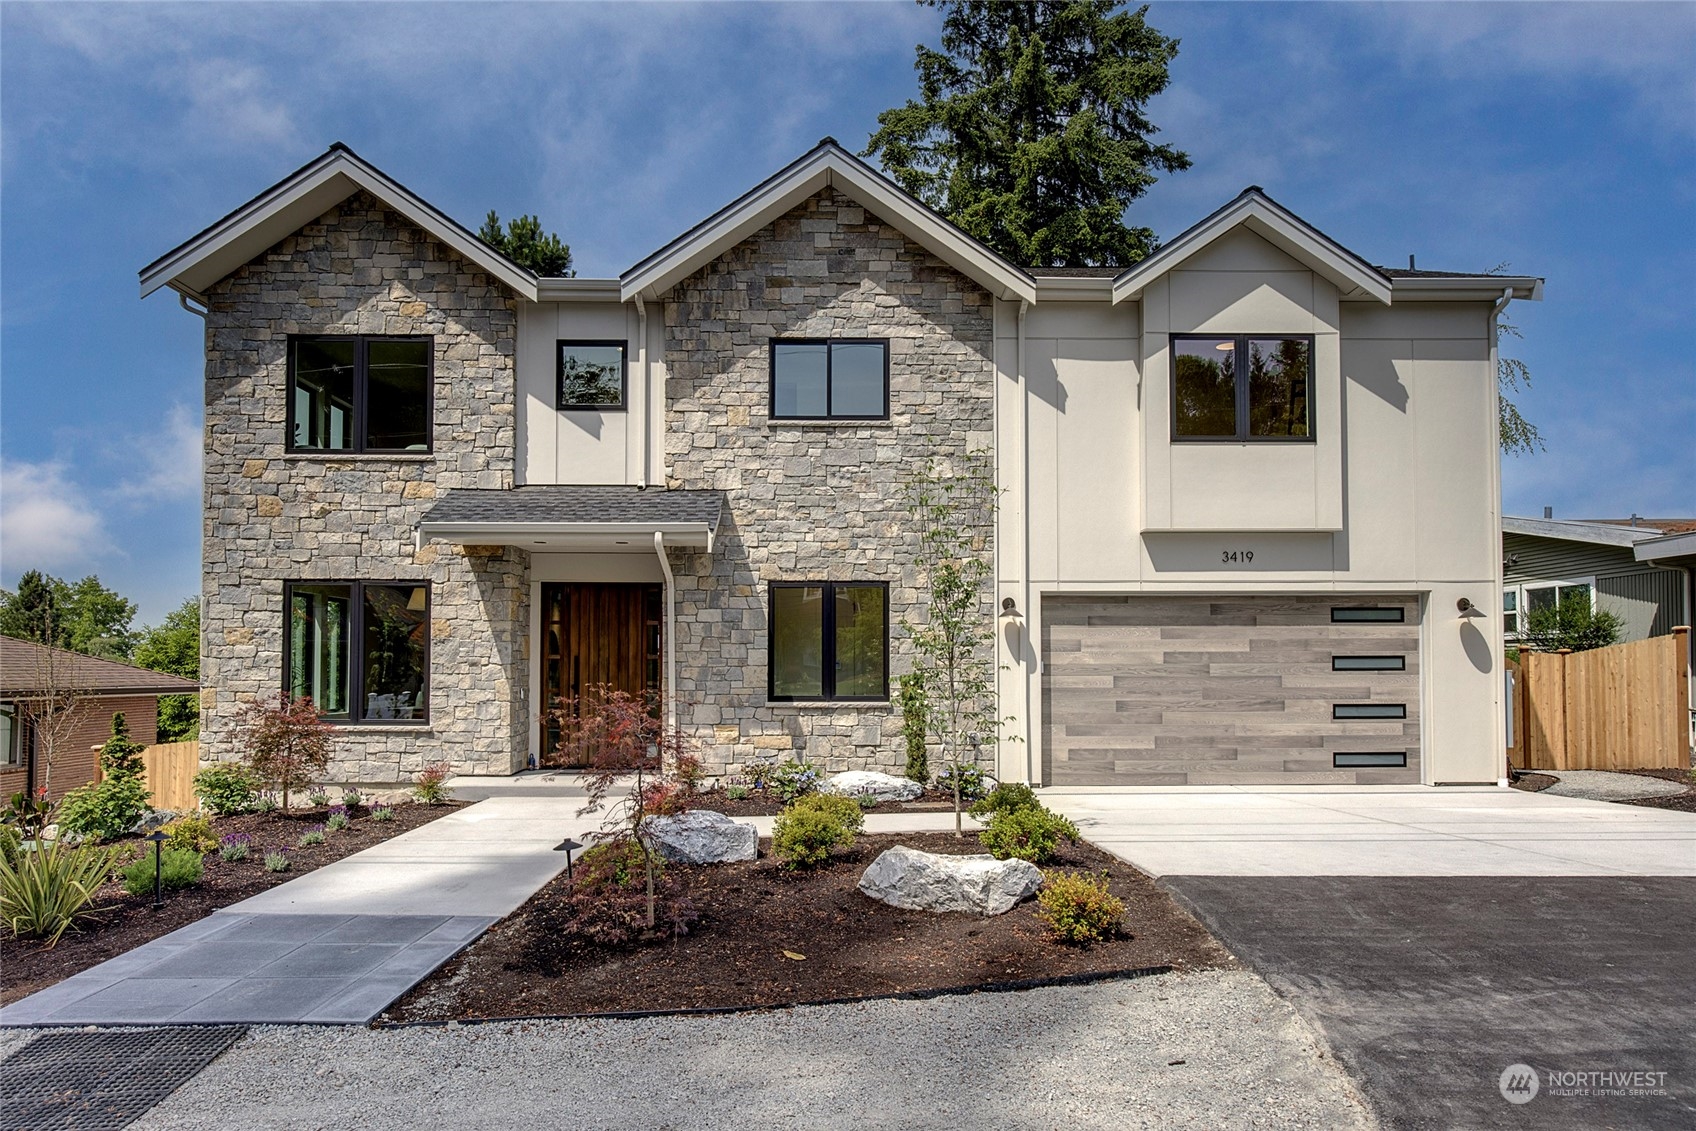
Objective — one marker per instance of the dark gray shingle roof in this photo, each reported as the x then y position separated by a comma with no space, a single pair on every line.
564,503
26,667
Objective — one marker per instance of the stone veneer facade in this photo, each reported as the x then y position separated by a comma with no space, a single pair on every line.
272,516
809,501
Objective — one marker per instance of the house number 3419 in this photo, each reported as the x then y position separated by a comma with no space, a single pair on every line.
1236,557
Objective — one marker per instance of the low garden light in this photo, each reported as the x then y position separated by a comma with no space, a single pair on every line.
158,837
567,846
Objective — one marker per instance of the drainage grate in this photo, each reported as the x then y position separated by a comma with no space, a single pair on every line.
105,1080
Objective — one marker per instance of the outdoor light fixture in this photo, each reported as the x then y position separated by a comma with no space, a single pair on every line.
158,837
567,846
1009,608
1467,609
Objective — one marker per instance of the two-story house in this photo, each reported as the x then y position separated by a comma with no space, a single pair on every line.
1247,526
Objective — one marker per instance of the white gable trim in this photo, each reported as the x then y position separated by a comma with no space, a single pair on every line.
1263,216
296,201
829,165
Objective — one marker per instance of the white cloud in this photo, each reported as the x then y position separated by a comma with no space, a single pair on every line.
169,458
235,101
46,520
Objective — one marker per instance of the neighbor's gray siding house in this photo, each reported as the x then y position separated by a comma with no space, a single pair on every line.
1628,567
1248,487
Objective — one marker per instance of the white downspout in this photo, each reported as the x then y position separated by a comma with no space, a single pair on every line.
647,393
1030,665
670,690
1496,495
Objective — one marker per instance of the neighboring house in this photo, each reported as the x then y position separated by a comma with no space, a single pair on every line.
97,689
1634,569
1248,527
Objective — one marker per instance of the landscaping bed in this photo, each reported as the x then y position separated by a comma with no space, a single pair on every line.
850,946
763,803
1682,802
126,921
1533,782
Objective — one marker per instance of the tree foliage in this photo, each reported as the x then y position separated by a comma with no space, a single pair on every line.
524,244
285,743
1573,623
83,616
1030,131
1519,436
174,647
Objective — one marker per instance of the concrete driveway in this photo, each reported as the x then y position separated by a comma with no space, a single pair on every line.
1437,937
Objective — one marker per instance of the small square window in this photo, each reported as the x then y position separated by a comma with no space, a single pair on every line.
838,379
592,375
1242,387
354,393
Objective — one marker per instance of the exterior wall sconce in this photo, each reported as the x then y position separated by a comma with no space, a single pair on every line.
1009,609
1467,609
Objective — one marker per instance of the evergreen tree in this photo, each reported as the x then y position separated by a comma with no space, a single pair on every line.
84,617
1030,133
33,612
524,244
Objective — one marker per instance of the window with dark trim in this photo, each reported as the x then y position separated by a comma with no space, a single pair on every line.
1242,387
830,379
1358,614
1345,760
829,640
592,375
359,393
11,736
360,650
1369,710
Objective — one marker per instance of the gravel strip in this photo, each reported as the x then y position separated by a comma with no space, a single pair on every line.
1077,1057
1600,785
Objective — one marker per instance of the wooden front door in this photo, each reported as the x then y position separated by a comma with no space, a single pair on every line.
595,633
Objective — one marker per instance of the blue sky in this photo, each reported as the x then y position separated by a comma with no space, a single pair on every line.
1560,139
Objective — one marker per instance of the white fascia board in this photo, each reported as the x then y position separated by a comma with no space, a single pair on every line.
522,533
827,165
1669,546
1598,533
1467,288
577,290
1353,276
296,201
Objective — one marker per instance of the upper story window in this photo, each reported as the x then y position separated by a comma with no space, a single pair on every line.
838,379
360,650
1242,387
355,393
592,375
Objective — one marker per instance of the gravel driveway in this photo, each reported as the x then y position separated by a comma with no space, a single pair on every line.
1076,1057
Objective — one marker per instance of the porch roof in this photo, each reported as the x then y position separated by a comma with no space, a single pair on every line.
559,517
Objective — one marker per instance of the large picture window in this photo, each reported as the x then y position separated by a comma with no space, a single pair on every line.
353,393
829,640
839,379
360,650
1242,387
592,375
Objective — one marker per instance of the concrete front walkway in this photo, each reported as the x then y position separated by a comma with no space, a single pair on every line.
338,944
1377,831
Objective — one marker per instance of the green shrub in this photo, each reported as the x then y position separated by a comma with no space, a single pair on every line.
105,810
1078,908
971,782
44,891
383,813
1027,834
432,787
351,798
178,868
914,723
803,837
264,803
314,835
1005,798
845,811
318,797
226,789
191,834
793,779
277,860
617,862
234,847
11,844
736,792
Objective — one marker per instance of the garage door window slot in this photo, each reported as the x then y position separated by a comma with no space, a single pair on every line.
1359,614
1369,663
1365,759
1369,710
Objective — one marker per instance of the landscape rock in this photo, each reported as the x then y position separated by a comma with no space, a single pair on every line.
870,783
154,819
920,881
701,836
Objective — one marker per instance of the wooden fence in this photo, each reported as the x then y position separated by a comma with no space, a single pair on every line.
170,770
1624,707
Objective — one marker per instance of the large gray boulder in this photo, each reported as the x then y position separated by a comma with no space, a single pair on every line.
920,881
701,836
870,783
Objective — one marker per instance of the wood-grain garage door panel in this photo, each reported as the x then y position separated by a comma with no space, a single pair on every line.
1211,690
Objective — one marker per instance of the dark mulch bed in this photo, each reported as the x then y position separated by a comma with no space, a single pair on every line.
1533,782
1680,802
126,921
854,946
760,804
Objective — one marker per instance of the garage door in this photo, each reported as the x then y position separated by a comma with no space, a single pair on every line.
1230,690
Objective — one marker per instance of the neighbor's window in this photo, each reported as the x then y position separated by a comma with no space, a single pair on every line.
11,737
355,393
360,650
826,380
1242,387
591,375
1510,611
829,640
1551,596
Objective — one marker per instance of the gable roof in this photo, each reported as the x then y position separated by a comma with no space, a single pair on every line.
296,201
826,165
23,670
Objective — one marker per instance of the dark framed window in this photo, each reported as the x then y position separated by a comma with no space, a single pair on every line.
592,375
11,736
1343,760
1242,387
829,640
831,379
1367,615
1369,663
360,650
358,393
1369,710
